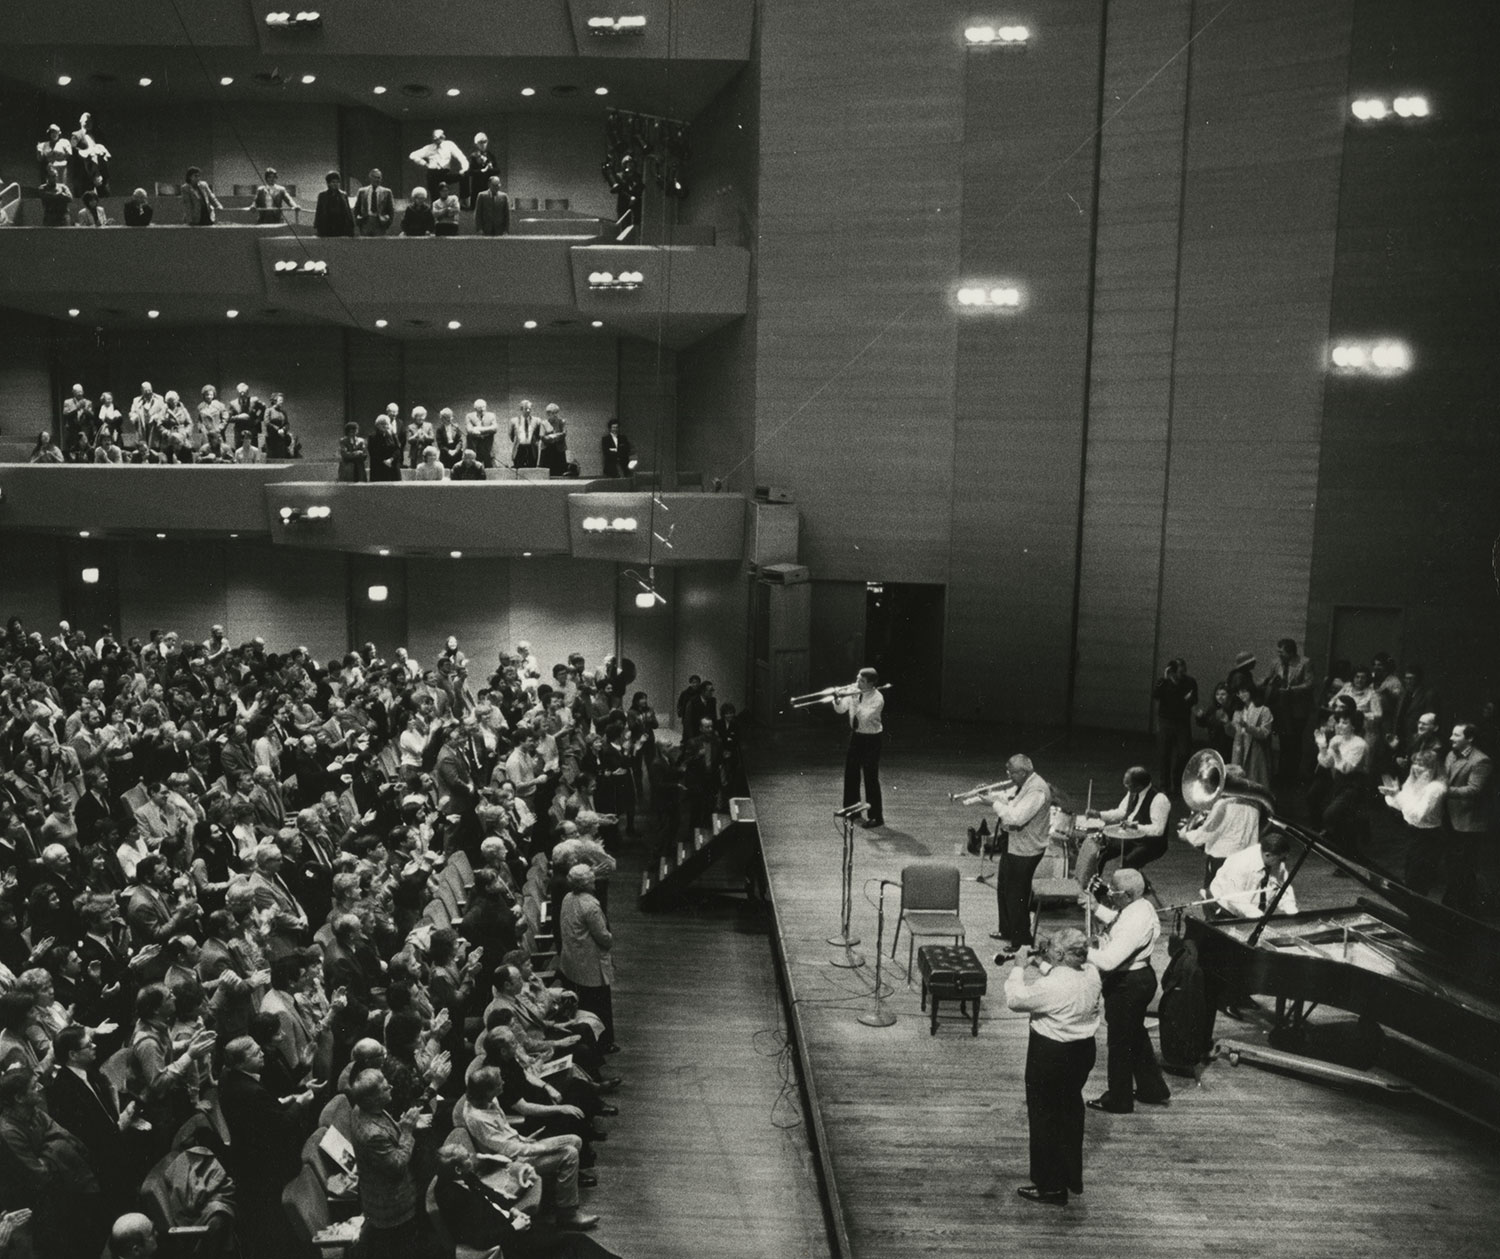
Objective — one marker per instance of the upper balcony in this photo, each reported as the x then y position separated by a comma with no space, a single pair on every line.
673,61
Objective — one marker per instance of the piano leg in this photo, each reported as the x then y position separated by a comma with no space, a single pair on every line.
1290,1032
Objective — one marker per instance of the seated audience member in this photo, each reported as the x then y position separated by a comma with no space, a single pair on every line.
418,219
199,204
45,450
92,214
272,200
332,215
247,451
430,469
138,211
468,467
374,207
132,1237
1248,881
444,211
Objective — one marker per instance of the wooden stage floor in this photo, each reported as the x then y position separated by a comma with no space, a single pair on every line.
927,1135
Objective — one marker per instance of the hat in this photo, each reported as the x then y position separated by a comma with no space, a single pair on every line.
1245,660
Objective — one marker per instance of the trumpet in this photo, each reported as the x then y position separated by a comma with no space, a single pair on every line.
976,794
830,693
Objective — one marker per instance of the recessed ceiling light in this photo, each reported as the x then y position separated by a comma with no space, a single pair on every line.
73,312
161,535
455,555
64,79
145,82
234,535
381,323
83,533
530,323
528,91
452,91
454,325
226,80
601,91
525,555
598,323
380,90
153,314
309,78
385,550
231,314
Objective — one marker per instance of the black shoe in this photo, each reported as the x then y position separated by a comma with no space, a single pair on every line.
610,1083
1004,956
598,1134
1003,938
1154,1101
1047,1197
1106,1103
608,1111
870,823
587,1180
613,1049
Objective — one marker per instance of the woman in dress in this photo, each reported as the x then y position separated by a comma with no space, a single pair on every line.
1250,728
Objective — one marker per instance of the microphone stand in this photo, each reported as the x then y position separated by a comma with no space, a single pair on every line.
850,959
879,1016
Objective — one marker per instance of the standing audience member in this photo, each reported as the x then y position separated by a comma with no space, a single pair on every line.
332,215
199,204
585,944
492,210
417,220
374,207
441,162
272,200
1472,865
1176,694
445,210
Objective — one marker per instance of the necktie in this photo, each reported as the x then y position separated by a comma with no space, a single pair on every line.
1265,883
1131,806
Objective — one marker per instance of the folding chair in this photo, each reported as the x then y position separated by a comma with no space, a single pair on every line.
929,907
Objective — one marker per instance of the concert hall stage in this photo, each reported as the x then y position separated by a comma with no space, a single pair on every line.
924,1138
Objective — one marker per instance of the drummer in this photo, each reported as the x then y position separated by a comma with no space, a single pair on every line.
1138,826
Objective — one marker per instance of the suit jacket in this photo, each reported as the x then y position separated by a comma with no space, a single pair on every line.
90,1114
333,217
382,1151
585,941
269,893
1468,778
374,210
617,453
87,813
264,1138
270,811
491,214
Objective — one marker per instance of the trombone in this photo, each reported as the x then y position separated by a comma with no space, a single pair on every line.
830,693
975,794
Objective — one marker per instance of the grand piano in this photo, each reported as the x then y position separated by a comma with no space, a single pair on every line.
1393,958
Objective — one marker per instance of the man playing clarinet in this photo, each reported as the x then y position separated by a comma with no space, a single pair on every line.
864,706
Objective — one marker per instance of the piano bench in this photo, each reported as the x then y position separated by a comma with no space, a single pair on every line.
952,972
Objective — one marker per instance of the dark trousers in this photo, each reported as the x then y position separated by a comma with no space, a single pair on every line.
1013,896
1131,1056
1293,734
400,1241
526,455
1174,744
1344,822
1056,1071
863,757
1212,866
1426,855
600,1003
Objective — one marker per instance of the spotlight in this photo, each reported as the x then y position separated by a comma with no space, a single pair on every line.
630,24
378,594
292,515
980,35
308,19
90,576
64,79
647,596
1003,296
1391,356
646,599
311,266
626,281
603,524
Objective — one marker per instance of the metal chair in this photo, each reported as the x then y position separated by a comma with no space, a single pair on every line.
929,907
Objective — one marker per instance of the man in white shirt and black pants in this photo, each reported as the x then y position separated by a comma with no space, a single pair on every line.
1124,960
864,707
1060,991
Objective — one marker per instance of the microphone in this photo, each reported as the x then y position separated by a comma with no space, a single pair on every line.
851,810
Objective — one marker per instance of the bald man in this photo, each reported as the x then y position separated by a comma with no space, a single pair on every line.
132,1237
1123,958
1025,815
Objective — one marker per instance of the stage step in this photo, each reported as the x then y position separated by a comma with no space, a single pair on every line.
667,879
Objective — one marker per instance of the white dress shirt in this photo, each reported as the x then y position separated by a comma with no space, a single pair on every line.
1231,826
1244,887
864,711
1420,801
1154,824
1132,936
1063,1002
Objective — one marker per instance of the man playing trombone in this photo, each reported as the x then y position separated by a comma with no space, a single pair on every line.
864,703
